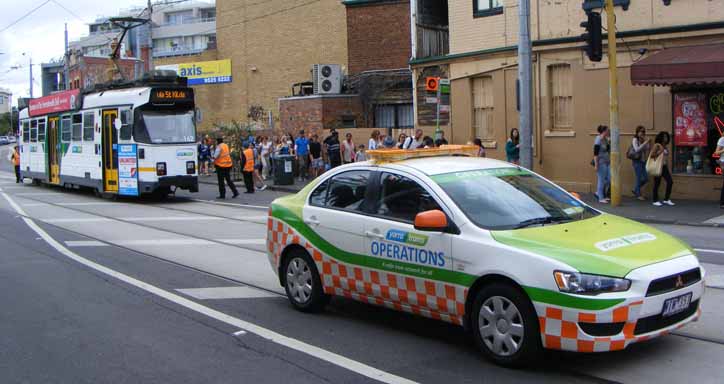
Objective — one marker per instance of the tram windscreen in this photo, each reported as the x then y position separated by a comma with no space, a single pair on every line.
166,127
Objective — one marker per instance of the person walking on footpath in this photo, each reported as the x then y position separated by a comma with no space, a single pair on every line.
638,153
266,150
602,163
315,154
661,142
401,140
348,149
14,157
374,139
414,142
331,144
258,169
442,140
481,148
223,164
301,149
204,156
720,152
512,147
247,164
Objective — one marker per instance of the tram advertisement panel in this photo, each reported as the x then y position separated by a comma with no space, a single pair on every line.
127,170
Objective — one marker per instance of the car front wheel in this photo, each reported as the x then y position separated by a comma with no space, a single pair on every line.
505,326
302,283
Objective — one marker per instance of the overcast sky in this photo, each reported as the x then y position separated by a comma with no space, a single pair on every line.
40,35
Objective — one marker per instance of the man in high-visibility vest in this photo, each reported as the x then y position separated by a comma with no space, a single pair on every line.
223,164
15,159
247,163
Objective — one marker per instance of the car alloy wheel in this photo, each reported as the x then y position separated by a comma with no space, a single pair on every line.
299,280
501,326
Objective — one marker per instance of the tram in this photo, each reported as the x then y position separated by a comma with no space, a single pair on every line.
130,138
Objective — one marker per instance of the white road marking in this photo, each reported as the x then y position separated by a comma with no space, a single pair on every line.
163,242
218,293
76,220
172,218
263,218
716,220
37,194
297,345
65,204
709,250
239,333
715,281
231,204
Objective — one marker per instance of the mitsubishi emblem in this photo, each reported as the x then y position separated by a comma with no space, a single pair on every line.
679,282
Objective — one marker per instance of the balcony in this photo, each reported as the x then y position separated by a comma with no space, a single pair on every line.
432,41
177,51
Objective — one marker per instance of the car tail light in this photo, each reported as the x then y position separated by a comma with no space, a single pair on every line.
190,167
161,169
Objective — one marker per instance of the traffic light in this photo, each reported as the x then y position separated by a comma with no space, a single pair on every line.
593,36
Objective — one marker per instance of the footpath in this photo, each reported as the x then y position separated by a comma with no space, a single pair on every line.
685,212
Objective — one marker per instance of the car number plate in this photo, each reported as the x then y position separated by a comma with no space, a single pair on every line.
676,305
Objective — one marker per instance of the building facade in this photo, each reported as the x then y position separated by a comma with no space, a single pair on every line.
6,101
571,92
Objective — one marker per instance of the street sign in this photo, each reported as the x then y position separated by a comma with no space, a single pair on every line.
444,108
431,100
444,81
432,83
444,88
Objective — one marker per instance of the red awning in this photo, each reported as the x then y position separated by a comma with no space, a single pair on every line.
696,65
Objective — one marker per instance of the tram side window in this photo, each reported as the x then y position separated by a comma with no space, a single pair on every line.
41,131
65,129
26,132
88,126
126,125
77,127
33,131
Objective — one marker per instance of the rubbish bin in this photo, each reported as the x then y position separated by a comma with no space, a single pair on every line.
283,170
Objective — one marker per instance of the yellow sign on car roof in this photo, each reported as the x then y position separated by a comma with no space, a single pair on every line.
392,155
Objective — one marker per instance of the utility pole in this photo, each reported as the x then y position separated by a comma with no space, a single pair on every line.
149,42
66,62
525,121
613,106
31,77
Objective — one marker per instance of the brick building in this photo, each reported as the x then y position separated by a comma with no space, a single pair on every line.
87,71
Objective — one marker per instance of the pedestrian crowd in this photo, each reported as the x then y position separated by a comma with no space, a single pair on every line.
647,159
313,156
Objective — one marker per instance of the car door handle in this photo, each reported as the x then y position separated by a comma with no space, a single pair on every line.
374,234
311,221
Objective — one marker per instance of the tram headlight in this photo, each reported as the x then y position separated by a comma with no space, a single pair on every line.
161,169
190,167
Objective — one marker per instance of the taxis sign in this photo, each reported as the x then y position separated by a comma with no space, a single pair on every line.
202,72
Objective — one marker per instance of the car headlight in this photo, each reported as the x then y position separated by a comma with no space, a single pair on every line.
585,284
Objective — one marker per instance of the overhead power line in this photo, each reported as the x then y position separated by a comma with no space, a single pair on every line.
25,15
262,16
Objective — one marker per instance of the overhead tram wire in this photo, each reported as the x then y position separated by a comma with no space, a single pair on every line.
25,15
262,16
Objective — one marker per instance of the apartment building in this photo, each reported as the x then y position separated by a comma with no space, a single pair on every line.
669,71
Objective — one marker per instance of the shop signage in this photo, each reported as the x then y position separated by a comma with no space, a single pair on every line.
57,102
431,100
690,128
127,170
202,72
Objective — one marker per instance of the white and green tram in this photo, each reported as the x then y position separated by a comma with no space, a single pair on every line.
126,139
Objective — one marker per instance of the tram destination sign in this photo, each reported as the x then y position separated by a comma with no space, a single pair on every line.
172,95
54,103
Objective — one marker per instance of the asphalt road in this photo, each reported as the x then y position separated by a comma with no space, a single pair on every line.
157,291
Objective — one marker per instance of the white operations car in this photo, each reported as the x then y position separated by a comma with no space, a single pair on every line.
485,244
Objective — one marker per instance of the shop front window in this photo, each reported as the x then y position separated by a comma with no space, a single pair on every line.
698,125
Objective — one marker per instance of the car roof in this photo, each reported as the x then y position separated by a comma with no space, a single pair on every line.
446,164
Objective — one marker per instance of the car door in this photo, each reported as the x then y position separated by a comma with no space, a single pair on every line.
412,259
335,212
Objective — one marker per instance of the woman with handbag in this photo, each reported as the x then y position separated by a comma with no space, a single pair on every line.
720,152
657,166
637,153
602,163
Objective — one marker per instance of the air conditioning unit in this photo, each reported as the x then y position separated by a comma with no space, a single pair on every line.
327,78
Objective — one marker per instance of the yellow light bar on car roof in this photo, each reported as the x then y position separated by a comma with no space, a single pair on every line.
392,155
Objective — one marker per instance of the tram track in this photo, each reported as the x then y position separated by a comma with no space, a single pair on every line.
232,280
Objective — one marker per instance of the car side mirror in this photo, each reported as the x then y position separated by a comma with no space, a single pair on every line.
434,221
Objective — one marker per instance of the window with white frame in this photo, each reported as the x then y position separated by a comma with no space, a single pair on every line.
394,116
482,95
483,8
561,97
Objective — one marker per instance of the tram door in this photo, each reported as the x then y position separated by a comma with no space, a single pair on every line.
110,150
53,147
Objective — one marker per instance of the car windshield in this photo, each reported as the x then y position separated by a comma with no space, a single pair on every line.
164,127
511,198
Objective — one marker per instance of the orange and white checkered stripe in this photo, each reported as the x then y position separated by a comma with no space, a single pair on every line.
559,327
437,300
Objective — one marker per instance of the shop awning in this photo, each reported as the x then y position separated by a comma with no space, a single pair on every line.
695,65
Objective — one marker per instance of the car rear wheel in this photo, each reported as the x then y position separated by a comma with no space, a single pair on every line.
302,283
505,326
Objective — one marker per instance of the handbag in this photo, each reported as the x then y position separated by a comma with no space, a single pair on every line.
631,154
655,165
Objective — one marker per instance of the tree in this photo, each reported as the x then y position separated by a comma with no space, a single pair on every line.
8,128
